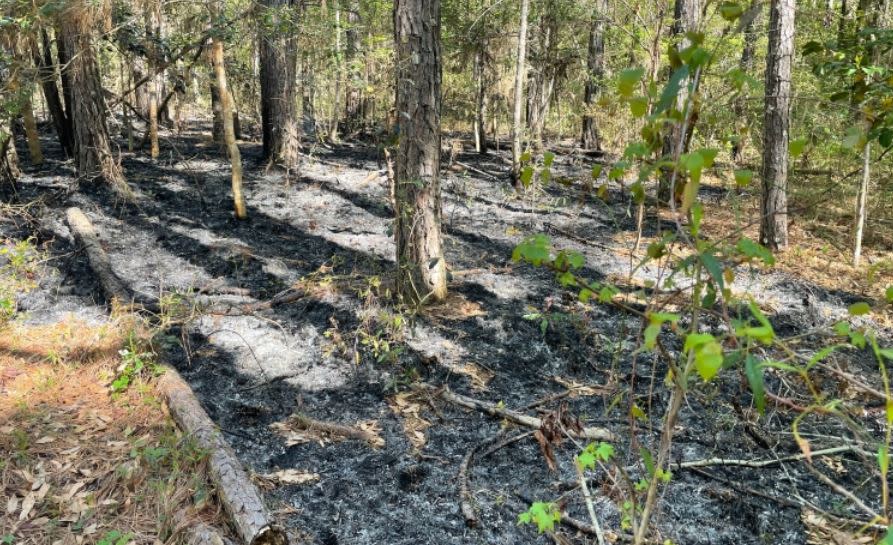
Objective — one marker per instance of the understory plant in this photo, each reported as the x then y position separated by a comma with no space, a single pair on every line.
691,319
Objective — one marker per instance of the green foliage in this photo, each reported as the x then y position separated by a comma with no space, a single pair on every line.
592,454
544,514
115,537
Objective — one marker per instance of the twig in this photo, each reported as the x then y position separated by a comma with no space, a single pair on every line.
305,422
600,434
587,497
741,488
844,492
759,463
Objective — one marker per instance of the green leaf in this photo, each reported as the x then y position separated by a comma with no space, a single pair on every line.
743,177
854,138
650,336
671,90
796,147
548,158
883,459
526,175
755,250
628,80
544,514
859,309
596,171
525,157
885,138
730,11
714,268
707,352
888,538
534,250
755,380
638,106
889,294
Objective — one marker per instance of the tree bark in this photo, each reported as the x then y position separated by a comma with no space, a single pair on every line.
9,161
862,203
595,66
421,268
541,80
686,17
216,111
279,109
353,105
93,153
776,124
46,72
746,66
237,493
520,77
229,134
481,88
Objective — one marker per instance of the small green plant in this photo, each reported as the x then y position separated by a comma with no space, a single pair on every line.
115,537
544,514
134,362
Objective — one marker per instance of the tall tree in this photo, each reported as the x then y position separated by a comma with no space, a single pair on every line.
278,66
686,18
421,268
746,66
92,145
595,71
545,67
520,77
776,124
353,112
47,73
226,112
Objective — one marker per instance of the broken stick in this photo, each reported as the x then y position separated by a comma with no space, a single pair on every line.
84,233
596,434
238,495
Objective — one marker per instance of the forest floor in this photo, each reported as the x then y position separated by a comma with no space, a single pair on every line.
341,352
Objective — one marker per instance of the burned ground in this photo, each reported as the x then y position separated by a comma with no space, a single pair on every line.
326,229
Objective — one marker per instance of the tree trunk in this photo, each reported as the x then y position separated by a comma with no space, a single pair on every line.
595,66
862,204
229,134
46,72
34,151
481,89
216,112
93,153
746,65
308,88
339,78
353,113
9,162
421,268
686,17
520,77
279,109
776,125
541,81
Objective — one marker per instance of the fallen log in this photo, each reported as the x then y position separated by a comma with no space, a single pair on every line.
235,490
83,232
595,434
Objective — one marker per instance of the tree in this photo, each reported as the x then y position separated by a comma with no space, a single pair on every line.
278,64
47,74
545,65
353,110
686,17
595,71
421,268
92,145
226,112
520,77
776,124
746,66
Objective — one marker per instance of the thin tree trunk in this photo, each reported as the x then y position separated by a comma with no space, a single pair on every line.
595,66
46,71
686,17
861,207
421,268
520,77
746,65
308,87
9,161
481,90
776,125
279,109
229,135
339,77
93,153
216,112
34,151
353,114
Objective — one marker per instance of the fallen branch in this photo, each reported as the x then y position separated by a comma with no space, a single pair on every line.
237,494
284,297
304,422
741,488
759,463
83,232
597,434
